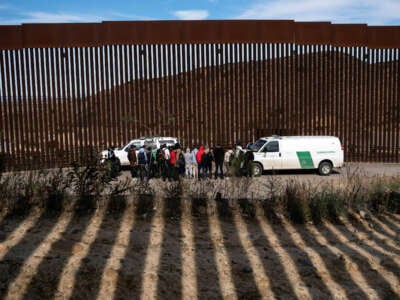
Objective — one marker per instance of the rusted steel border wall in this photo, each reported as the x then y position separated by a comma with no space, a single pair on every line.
69,89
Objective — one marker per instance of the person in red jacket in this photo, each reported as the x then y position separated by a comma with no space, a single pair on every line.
172,163
199,155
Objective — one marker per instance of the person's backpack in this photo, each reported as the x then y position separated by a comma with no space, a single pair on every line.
181,160
160,155
111,154
141,158
130,156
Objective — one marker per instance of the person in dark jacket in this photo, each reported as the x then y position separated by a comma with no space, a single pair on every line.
206,161
132,160
219,161
248,163
142,163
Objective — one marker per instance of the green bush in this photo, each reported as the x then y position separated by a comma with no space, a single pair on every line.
378,197
335,207
394,202
296,197
318,206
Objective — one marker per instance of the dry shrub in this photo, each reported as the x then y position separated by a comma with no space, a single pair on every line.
173,195
145,198
117,196
88,183
384,195
56,186
272,205
240,191
223,207
22,191
198,195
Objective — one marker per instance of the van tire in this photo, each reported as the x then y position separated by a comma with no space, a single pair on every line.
257,169
325,168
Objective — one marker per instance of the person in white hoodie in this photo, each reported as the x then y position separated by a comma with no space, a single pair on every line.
188,163
195,172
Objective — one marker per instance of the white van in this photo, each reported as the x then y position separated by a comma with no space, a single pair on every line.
153,142
297,152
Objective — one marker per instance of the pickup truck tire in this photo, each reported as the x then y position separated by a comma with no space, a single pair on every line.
257,169
325,168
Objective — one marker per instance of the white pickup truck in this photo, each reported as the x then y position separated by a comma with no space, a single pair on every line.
322,153
122,153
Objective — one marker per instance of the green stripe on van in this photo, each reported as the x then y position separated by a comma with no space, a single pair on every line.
305,160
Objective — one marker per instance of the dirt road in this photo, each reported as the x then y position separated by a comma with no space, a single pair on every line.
365,170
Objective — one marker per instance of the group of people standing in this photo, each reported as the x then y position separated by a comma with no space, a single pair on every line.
171,162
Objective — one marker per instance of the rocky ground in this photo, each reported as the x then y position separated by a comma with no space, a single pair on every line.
102,255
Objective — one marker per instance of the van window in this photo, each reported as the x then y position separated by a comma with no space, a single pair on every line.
272,146
257,145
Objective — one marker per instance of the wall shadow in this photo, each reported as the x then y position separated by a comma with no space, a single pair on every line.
45,283
169,285
307,270
206,267
389,264
9,223
335,265
11,264
129,281
279,281
373,278
89,275
242,274
379,241
393,220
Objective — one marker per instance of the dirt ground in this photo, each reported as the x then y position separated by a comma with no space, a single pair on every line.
101,255
123,256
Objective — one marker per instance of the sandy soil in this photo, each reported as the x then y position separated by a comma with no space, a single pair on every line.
121,256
